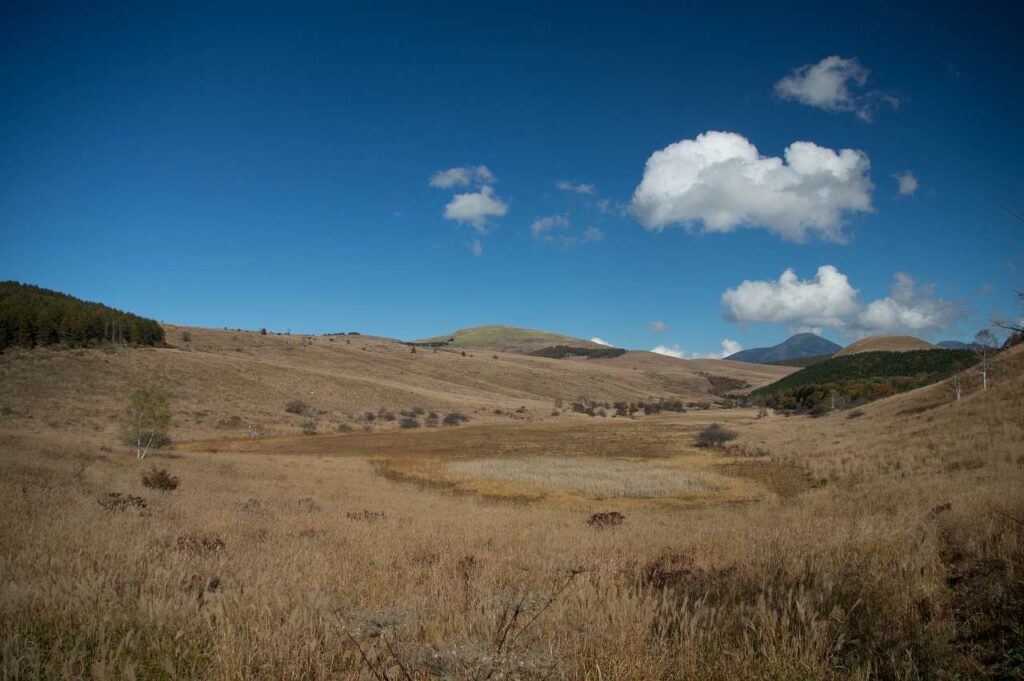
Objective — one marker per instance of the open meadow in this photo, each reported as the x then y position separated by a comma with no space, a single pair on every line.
884,542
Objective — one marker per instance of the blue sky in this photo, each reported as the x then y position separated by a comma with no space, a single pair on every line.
249,165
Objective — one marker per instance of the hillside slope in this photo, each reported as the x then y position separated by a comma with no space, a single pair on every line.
795,347
506,339
220,382
885,344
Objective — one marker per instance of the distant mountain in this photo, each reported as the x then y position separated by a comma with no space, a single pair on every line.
952,345
800,345
885,344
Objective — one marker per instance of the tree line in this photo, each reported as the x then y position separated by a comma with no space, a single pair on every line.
33,316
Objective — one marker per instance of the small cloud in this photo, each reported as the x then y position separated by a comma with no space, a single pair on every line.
830,85
907,183
542,226
567,186
462,177
668,350
476,247
592,234
475,208
659,326
601,341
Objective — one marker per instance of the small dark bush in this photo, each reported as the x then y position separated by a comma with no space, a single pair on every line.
606,519
432,420
409,422
385,415
309,427
115,501
159,478
193,544
715,435
369,416
344,428
186,337
296,407
365,516
455,418
856,413
263,332
818,410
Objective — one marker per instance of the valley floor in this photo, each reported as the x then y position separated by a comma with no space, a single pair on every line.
886,544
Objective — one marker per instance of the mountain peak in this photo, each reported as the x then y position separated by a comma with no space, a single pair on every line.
800,345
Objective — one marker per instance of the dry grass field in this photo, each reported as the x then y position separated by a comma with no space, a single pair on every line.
885,344
886,542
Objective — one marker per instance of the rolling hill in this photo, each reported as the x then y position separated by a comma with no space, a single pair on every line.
220,382
863,376
796,347
886,344
500,338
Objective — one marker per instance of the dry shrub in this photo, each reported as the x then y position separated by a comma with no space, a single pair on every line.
365,516
161,479
115,501
715,435
198,544
455,418
604,519
409,422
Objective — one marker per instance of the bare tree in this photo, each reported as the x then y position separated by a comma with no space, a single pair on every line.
984,348
956,383
148,420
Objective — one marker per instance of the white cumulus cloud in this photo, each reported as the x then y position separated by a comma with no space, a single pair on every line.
474,208
905,310
829,300
668,350
462,177
567,186
825,300
907,183
834,84
601,341
720,179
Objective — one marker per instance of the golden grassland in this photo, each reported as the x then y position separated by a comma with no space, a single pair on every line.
883,543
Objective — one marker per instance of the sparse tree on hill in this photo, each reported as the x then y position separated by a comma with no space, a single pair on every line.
956,383
148,418
984,348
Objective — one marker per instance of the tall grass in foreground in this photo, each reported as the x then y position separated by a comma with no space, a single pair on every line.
906,561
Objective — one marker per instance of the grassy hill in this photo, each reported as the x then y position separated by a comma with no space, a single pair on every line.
863,376
506,339
885,344
220,382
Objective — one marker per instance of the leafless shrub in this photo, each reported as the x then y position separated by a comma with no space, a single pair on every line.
198,544
605,519
455,418
365,516
409,422
309,427
715,435
160,478
116,501
296,407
